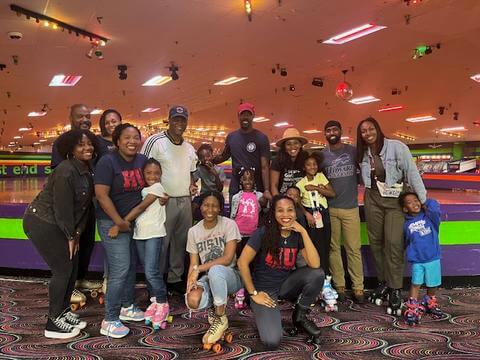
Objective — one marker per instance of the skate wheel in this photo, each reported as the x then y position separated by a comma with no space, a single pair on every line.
207,346
398,312
170,319
74,307
148,322
389,311
217,348
101,300
228,338
378,302
163,325
156,327
94,293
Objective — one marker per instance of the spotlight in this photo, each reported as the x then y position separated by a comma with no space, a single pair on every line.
2,66
122,75
273,71
173,69
441,110
317,82
396,91
428,50
291,87
283,72
456,115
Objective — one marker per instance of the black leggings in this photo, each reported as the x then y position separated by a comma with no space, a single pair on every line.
306,282
87,242
52,245
321,239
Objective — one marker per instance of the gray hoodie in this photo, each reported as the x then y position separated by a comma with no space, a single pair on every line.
399,167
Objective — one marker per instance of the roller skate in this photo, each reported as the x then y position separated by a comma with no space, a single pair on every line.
431,306
301,322
395,302
77,300
380,294
94,288
329,295
240,299
161,316
150,312
218,331
413,312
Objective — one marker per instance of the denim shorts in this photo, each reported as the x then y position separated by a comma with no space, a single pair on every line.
429,273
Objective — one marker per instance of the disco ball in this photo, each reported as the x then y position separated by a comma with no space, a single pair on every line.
344,91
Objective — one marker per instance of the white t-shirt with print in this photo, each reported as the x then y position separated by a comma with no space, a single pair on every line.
177,161
151,223
210,244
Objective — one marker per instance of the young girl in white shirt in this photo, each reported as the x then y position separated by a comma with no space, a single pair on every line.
149,233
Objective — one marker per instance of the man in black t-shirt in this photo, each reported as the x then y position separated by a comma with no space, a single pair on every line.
248,148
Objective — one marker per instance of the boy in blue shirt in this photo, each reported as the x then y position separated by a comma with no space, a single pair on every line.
421,230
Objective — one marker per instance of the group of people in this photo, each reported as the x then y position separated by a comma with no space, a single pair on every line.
286,222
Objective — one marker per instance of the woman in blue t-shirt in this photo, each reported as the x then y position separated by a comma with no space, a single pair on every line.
118,186
274,248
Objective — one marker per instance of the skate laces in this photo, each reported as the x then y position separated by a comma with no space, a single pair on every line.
62,324
432,302
216,324
71,318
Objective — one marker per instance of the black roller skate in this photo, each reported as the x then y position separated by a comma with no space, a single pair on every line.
395,302
413,312
431,306
301,322
380,294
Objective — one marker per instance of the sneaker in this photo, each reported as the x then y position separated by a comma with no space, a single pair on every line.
114,329
73,320
59,328
131,313
358,296
88,284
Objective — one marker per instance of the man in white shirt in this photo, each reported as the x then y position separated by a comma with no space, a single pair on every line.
178,160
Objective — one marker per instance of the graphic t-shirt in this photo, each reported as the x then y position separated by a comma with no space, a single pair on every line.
210,244
246,150
125,180
312,199
246,211
269,273
290,174
104,146
340,167
151,223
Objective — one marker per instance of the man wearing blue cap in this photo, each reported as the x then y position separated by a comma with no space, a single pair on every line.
178,160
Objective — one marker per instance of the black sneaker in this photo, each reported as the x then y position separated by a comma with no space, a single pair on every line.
177,287
59,328
73,320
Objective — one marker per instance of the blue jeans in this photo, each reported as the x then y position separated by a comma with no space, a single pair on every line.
220,282
121,262
149,253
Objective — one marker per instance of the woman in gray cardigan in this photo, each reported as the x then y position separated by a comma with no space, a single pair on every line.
386,166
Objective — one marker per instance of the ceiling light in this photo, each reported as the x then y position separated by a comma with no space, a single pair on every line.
36,143
353,34
363,100
391,108
405,136
37,113
65,80
457,128
230,80
221,133
96,112
313,131
345,138
150,110
157,80
17,137
43,140
260,119
282,124
24,129
476,78
421,118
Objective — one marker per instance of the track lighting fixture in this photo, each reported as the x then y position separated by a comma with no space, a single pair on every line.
291,87
317,82
283,71
441,110
456,115
174,71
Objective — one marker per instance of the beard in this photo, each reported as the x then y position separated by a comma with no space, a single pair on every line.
333,140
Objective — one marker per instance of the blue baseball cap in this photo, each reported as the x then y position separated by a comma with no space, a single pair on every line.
178,110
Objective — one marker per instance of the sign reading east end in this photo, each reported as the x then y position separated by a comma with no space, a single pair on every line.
24,170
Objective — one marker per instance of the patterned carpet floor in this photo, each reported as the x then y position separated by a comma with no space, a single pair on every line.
354,332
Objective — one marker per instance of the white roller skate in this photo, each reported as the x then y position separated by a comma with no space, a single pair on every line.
329,295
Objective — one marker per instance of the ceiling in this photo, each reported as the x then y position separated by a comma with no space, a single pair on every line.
211,40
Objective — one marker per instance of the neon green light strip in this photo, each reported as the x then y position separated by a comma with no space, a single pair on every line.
451,232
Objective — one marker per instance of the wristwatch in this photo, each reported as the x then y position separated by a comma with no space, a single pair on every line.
254,293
